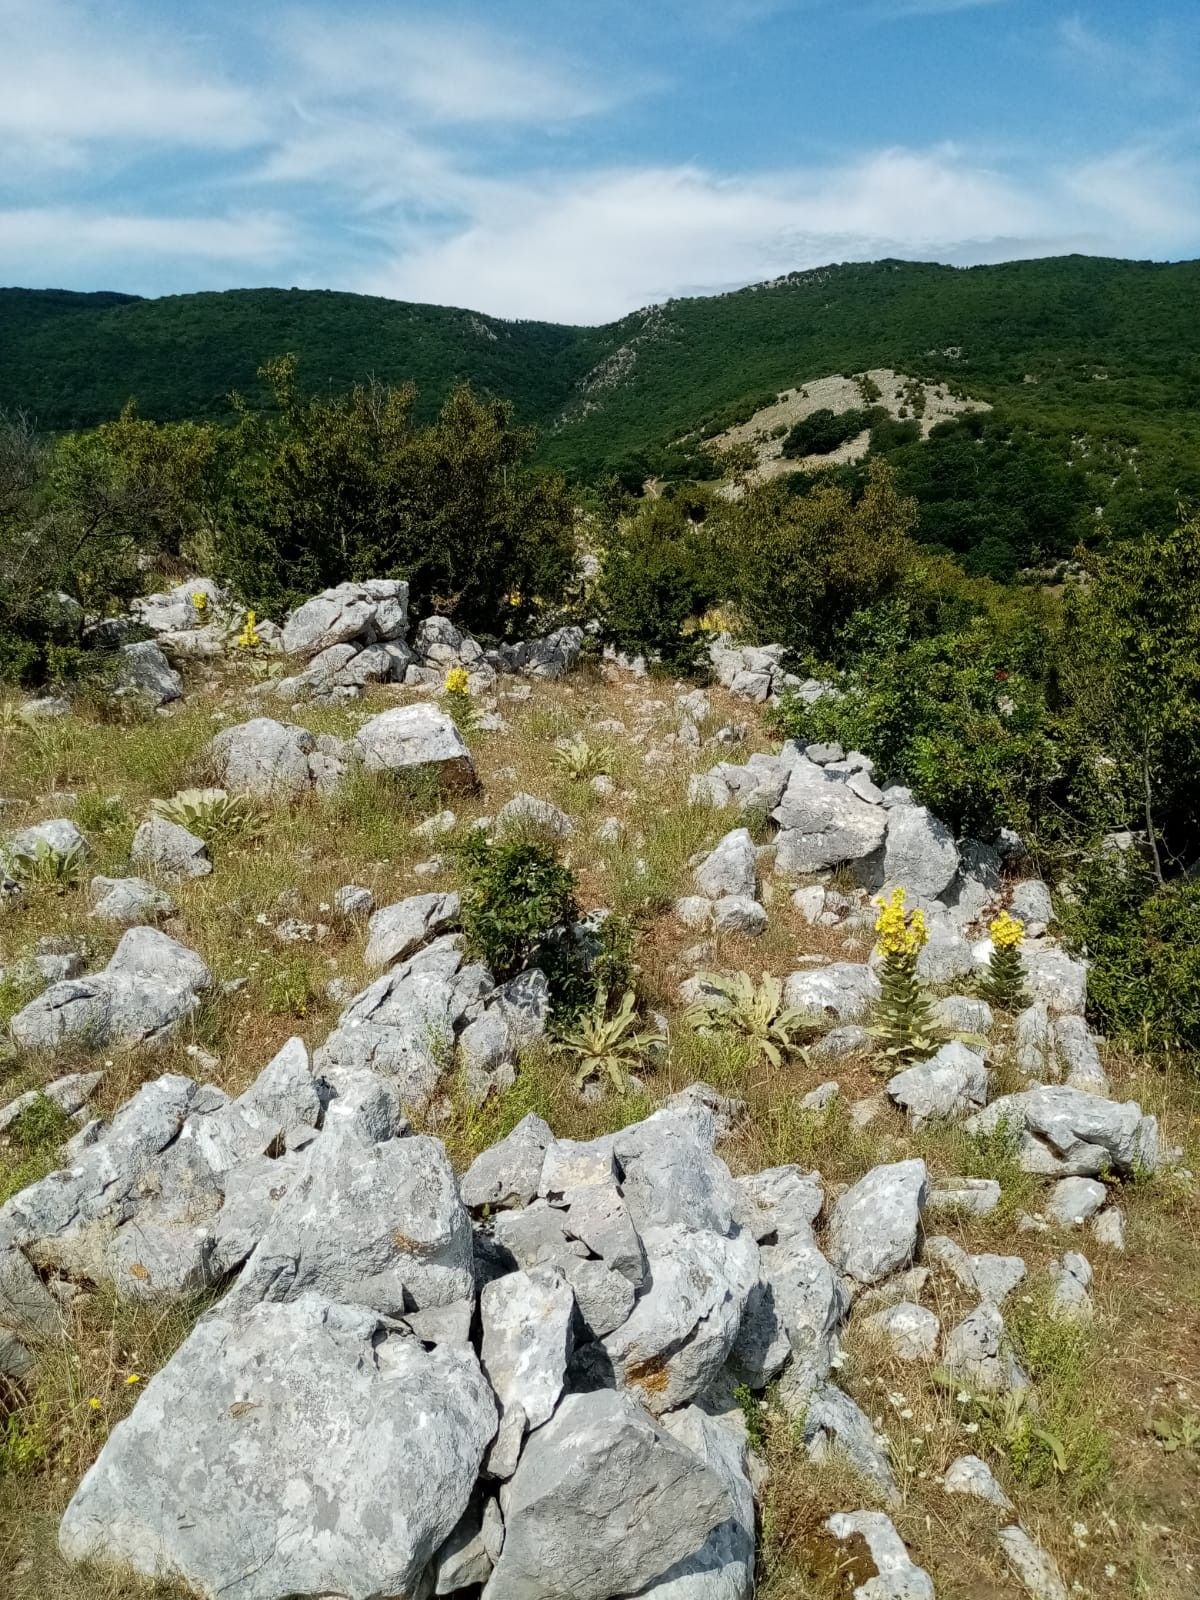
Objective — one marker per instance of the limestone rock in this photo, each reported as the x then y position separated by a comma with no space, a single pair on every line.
975,1353
603,1503
1067,1132
409,738
128,901
397,930
919,852
910,1331
143,671
730,868
507,1174
875,1224
169,850
1034,1567
970,1475
844,990
952,1083
897,1575
287,1451
527,1339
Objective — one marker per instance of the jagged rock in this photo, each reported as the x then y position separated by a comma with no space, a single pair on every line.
851,1039
823,1096
1079,1054
1073,1201
969,1196
970,1475
397,930
875,1224
991,1277
1055,977
58,835
919,852
465,1560
525,812
507,1174
1034,1567
1108,1229
946,956
128,901
525,1004
737,913
723,1568
575,1526
951,1083
1032,905
169,850
809,901
143,671
265,757
70,1094
371,1224
286,1451
961,1013
1072,1280
792,1315
844,990
833,1421
975,1353
730,868
409,738
780,1204
1067,1132
487,1050
684,1324
377,610
897,1576
671,1175
694,911
822,823
1034,1041
150,985
910,1331
527,1339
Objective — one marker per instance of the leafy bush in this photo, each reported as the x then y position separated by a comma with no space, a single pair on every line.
756,1011
327,488
658,578
824,431
1143,941
516,894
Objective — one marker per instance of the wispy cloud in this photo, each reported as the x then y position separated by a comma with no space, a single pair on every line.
58,232
1148,61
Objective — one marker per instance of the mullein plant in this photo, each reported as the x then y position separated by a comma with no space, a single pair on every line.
903,1015
458,699
1004,985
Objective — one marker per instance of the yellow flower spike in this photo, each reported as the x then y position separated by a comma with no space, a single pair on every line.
200,600
1006,931
900,932
458,680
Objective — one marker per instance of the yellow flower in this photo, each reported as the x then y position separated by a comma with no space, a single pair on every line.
94,1404
134,1377
200,601
458,680
249,638
515,599
900,932
1006,931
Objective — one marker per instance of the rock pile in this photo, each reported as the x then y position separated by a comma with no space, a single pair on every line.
754,673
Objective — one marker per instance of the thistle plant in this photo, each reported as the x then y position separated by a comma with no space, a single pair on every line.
458,699
755,1010
1004,985
608,1044
209,813
903,1015
579,759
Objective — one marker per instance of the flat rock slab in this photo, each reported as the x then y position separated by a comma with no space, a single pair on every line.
408,738
292,1451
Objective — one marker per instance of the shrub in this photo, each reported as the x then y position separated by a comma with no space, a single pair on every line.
754,1010
516,894
1142,941
657,579
824,431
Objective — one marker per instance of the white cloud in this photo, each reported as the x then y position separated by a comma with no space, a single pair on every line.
63,235
591,249
1147,62
68,80
448,73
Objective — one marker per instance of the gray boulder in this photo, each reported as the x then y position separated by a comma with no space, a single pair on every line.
723,1568
991,1277
1032,905
169,851
526,813
780,1204
833,1422
288,1451
976,1353
1073,1201
683,1326
970,1475
507,1174
876,1223
411,738
1072,1279
604,1503
919,853
822,823
729,868
910,1331
952,1083
128,901
791,1319
962,1013
527,1339
352,611
370,1224
738,913
143,671
266,757
843,991
397,930
59,836
1065,1132
1055,977
1034,1568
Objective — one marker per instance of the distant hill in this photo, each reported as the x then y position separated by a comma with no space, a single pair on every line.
1098,347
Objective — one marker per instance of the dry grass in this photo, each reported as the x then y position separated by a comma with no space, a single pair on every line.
1099,1393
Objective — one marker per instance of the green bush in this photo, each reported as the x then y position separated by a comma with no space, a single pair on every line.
516,894
658,578
1143,942
824,431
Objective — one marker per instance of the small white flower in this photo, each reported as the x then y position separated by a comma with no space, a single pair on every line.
906,1412
1110,1570
971,1427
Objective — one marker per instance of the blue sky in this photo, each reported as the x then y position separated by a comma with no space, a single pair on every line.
573,159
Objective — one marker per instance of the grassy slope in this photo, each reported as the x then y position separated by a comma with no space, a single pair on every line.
74,359
1098,1390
